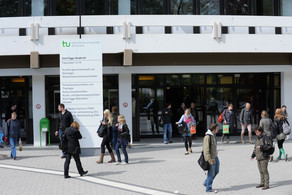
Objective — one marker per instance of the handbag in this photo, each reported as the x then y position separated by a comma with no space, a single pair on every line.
202,162
193,129
220,118
182,127
225,129
101,130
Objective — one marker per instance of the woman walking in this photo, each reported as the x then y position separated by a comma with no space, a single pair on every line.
279,119
107,123
12,131
228,120
123,132
189,120
73,149
246,121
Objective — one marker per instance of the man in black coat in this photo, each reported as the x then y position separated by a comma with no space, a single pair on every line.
72,135
166,118
65,120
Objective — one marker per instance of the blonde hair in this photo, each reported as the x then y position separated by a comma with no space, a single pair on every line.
109,116
75,125
247,105
264,114
188,111
122,119
279,114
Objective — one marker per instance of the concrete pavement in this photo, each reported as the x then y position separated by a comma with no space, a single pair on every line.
154,168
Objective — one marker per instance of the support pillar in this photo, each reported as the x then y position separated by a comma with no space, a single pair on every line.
286,93
125,98
38,108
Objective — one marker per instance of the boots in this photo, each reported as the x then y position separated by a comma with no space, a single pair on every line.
100,159
250,135
242,139
113,158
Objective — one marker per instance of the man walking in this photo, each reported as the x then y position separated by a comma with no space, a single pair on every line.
262,145
211,155
65,120
166,117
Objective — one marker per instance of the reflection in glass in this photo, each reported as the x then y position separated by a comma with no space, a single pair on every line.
236,7
264,7
210,7
153,7
211,79
65,7
8,8
286,7
184,7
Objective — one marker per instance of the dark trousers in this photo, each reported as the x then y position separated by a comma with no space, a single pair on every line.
188,140
105,142
67,163
280,143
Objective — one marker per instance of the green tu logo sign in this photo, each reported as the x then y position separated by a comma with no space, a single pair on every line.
65,44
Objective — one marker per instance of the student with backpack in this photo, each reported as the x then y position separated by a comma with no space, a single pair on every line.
268,127
12,131
262,150
283,129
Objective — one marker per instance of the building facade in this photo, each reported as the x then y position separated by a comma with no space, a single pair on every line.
213,52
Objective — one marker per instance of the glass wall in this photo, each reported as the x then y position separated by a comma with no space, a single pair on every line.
10,8
210,92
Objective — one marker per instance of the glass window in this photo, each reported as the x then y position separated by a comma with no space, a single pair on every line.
212,79
65,7
27,8
94,7
134,7
181,7
264,7
172,80
236,7
277,80
153,6
8,8
286,7
225,79
210,7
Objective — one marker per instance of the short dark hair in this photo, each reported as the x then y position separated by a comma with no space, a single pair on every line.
258,128
62,105
213,126
115,109
284,106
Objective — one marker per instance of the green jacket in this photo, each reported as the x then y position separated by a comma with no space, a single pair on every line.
265,144
209,153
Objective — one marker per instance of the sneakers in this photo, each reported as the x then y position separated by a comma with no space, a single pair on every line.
214,191
260,186
118,163
124,163
121,163
165,142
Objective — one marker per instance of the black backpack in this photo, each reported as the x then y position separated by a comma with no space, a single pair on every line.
63,143
269,141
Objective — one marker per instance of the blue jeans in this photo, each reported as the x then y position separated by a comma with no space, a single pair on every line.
121,142
167,128
213,171
60,137
114,136
13,142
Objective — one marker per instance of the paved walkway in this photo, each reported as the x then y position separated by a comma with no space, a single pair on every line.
154,168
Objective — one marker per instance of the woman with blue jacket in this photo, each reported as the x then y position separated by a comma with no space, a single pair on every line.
189,121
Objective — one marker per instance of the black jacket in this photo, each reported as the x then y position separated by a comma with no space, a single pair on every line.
278,124
73,135
64,120
125,132
166,118
12,129
195,114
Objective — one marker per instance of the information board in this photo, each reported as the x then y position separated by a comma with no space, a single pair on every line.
81,87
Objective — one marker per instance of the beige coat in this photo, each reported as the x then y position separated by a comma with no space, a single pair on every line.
209,153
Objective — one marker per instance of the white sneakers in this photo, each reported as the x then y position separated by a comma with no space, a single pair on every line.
121,163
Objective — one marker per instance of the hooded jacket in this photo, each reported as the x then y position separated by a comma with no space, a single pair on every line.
210,153
73,135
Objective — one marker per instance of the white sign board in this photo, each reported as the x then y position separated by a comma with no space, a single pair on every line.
81,85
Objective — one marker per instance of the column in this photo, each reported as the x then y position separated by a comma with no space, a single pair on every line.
37,7
125,98
286,93
38,104
124,7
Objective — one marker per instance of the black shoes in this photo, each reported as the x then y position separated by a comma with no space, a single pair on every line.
67,176
14,158
63,156
84,173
